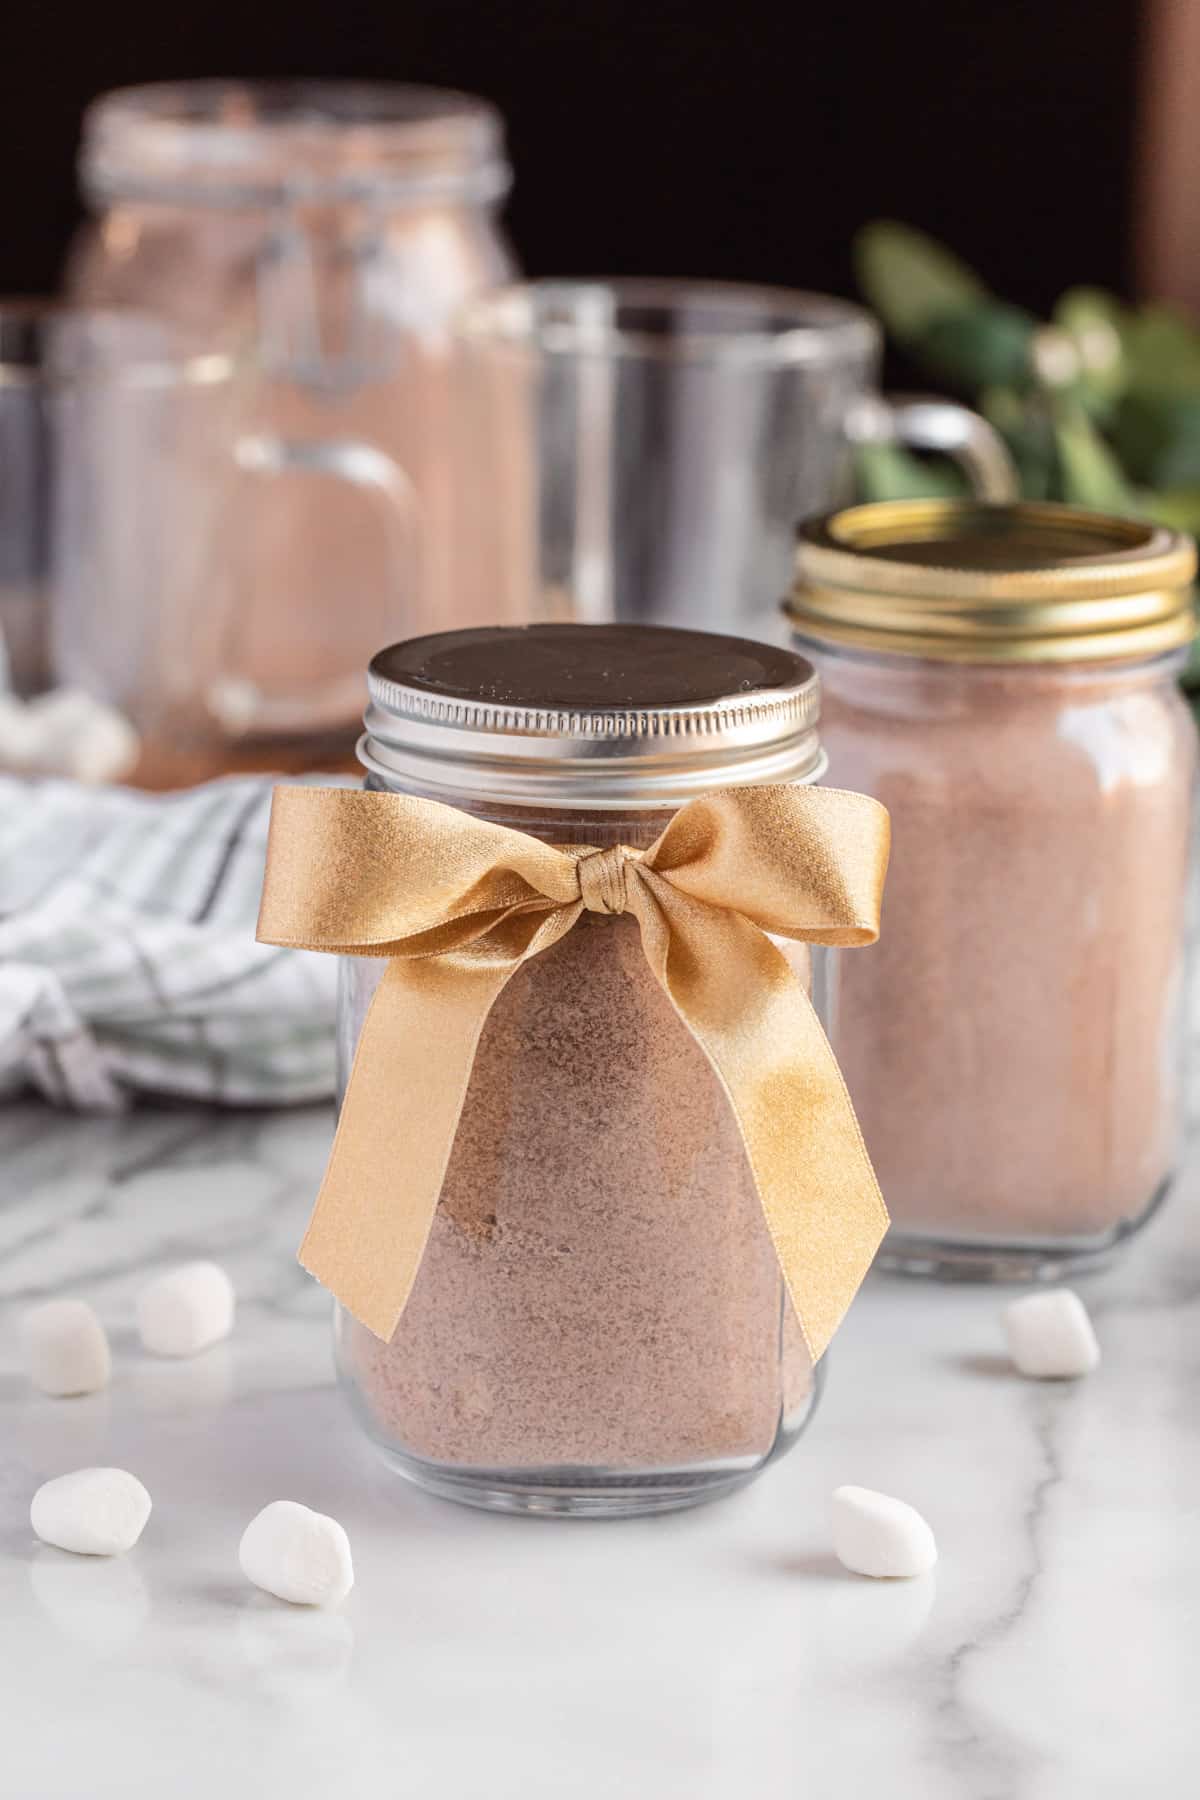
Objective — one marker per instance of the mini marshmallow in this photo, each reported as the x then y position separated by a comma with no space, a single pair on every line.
80,736
95,1512
876,1535
20,739
297,1555
1050,1334
66,1350
66,732
186,1310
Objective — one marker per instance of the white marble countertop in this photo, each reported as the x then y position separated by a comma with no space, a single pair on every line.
721,1653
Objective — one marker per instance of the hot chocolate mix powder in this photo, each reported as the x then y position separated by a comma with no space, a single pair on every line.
599,1288
1012,1042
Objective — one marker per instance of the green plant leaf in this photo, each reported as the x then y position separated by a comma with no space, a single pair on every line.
1157,437
1141,426
910,279
1162,352
986,345
1025,423
1089,472
1190,677
888,472
1096,324
1177,507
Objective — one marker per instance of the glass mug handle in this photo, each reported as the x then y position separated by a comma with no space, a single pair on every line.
920,422
239,704
293,309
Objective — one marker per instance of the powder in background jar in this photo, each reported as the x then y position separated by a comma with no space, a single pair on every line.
1011,1043
599,1287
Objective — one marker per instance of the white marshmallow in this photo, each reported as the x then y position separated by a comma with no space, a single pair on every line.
66,1350
78,735
876,1535
297,1555
186,1310
66,732
20,739
1050,1334
95,1512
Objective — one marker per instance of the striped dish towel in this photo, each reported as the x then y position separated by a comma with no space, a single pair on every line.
127,953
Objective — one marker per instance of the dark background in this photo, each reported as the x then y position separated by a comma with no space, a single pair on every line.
657,137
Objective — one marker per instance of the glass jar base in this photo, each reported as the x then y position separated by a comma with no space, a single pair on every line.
581,1493
566,1493
1008,1259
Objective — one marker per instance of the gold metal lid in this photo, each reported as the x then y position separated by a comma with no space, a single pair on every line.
964,581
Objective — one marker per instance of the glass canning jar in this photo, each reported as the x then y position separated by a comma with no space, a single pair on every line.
321,236
1004,681
599,1324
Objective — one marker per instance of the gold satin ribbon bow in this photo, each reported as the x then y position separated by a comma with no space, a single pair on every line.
457,905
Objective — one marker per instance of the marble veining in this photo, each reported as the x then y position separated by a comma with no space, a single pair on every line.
976,1751
1053,1654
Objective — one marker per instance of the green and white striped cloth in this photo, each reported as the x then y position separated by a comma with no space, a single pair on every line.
127,954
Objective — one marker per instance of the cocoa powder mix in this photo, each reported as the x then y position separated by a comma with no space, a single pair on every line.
1013,1043
599,1288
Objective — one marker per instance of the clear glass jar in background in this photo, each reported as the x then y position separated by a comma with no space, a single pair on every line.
1004,681
599,1324
323,236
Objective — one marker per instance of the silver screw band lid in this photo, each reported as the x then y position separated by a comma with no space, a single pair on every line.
589,716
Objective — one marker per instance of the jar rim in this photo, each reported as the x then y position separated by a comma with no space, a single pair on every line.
670,320
987,582
262,143
595,716
53,345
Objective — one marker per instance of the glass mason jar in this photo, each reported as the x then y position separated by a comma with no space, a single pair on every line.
1004,681
599,1324
323,236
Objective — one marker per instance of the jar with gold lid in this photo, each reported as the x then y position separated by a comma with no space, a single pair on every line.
1003,678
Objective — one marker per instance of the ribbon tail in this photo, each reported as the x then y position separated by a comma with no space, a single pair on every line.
398,1120
754,1021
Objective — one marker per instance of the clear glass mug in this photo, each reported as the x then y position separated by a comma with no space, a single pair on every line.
24,503
320,236
657,443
